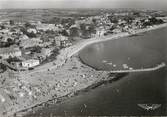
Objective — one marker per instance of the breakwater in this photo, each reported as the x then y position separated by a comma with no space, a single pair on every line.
141,70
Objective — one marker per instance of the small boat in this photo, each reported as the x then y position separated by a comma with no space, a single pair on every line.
114,65
104,61
109,63
149,107
130,68
125,66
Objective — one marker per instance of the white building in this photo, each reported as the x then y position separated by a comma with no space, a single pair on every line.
32,30
23,37
46,51
100,32
59,40
30,63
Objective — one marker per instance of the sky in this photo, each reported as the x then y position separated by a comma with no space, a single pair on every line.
147,4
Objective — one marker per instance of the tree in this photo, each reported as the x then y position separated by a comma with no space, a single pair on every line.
94,21
113,19
13,59
11,22
36,49
136,13
55,20
10,42
74,32
87,30
92,29
24,30
31,34
129,19
3,67
64,33
154,20
2,27
67,22
27,24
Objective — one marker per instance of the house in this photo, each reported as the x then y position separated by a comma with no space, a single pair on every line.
10,52
30,42
30,63
23,37
32,30
65,43
46,51
62,41
117,30
4,31
57,41
100,32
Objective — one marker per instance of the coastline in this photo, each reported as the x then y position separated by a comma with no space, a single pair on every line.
53,101
66,60
74,49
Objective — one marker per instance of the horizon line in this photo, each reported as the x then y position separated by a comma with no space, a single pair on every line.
84,8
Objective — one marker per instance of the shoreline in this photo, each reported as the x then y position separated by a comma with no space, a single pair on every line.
66,55
59,100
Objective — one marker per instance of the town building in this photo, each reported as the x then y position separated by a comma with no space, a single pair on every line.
32,30
65,43
30,42
23,37
46,51
62,41
10,52
30,63
100,32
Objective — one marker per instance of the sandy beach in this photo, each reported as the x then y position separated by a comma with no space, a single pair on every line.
64,76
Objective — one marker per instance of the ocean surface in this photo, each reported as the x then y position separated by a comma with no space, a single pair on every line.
121,97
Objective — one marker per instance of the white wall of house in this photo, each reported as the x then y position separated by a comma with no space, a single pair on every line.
46,51
100,33
30,63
